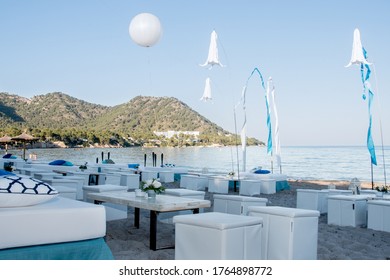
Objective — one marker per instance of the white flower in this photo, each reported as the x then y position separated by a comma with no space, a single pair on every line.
152,185
156,184
148,182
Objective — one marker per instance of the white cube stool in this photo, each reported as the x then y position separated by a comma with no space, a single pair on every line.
288,233
167,216
67,192
217,236
130,180
268,186
193,182
63,181
378,212
80,184
148,175
313,199
236,204
347,210
250,187
218,185
113,179
113,211
166,176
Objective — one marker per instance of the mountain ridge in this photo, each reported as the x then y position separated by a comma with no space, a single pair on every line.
60,116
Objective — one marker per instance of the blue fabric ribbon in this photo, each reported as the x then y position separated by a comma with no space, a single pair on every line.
366,89
269,143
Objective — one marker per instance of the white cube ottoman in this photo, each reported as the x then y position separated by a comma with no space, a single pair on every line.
236,204
131,180
167,216
67,192
113,178
288,233
217,236
378,212
250,187
148,175
268,186
218,185
63,181
166,176
113,211
193,182
347,210
313,199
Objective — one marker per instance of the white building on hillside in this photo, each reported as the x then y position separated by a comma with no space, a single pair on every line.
171,133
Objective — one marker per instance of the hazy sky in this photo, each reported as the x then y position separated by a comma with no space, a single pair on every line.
83,49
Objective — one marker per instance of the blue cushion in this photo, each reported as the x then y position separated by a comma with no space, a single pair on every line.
7,156
61,162
133,165
57,162
261,171
3,172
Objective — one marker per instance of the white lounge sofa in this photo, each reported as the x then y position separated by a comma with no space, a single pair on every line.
60,228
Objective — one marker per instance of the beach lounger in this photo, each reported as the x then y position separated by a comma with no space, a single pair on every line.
60,228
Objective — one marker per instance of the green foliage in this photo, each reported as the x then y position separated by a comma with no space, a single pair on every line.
60,117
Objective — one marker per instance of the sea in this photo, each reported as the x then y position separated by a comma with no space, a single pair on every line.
297,162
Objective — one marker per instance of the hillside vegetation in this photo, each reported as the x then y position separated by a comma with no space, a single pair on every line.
59,117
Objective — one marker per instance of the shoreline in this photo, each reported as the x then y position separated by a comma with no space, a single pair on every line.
334,242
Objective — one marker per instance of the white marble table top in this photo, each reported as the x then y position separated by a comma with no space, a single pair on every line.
162,203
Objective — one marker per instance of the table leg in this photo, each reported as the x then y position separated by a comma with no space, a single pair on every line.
153,230
98,202
136,217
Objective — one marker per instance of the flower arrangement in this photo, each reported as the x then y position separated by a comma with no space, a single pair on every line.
152,185
83,166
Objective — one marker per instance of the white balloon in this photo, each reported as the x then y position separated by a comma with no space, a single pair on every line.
145,29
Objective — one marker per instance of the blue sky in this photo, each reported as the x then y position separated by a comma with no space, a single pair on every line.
83,48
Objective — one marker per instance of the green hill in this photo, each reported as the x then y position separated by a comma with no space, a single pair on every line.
60,117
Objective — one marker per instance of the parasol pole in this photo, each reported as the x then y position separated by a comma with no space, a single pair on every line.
24,150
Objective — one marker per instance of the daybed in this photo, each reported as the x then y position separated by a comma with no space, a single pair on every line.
38,224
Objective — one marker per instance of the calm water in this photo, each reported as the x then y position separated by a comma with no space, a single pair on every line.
328,163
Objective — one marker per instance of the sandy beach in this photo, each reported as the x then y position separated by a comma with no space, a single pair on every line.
334,242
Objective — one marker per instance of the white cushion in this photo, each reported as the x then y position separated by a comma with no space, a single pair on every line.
19,191
55,221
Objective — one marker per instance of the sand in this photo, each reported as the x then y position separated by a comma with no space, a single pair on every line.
334,242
